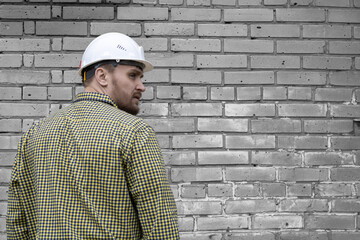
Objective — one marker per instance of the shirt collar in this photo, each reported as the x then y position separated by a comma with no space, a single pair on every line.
95,96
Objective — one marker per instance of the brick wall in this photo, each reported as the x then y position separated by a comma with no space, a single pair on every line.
253,102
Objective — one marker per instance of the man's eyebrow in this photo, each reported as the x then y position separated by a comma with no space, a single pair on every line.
137,71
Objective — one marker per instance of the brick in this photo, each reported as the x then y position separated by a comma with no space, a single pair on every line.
299,190
333,190
275,30
356,3
172,29
193,191
302,110
222,93
8,142
250,235
326,31
11,28
345,143
249,206
34,93
328,158
333,94
23,110
72,77
276,158
179,158
171,2
222,223
351,111
303,174
222,125
303,235
224,2
253,77
344,47
247,190
196,45
171,125
195,14
345,205
248,93
196,109
10,125
186,223
199,207
145,1
130,29
251,109
345,174
222,157
4,193
154,109
195,93
300,46
57,60
301,78
275,2
249,2
28,60
356,32
29,27
10,60
61,28
344,15
197,141
56,44
56,12
88,13
195,77
248,46
24,12
200,236
56,76
274,93
299,93
300,15
332,3
250,174
275,126
329,221
345,235
280,61
328,126
3,207
303,205
156,76
303,142
142,13
153,44
168,92
273,189
10,93
248,15
278,221
171,60
220,190
222,30
345,78
164,141
250,142
221,61
198,2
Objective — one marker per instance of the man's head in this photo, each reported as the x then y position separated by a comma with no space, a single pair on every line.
113,64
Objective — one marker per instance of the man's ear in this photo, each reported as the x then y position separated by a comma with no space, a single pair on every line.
101,76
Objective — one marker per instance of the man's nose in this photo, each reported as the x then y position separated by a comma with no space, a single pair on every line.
140,86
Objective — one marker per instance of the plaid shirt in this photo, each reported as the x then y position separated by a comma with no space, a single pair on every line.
91,171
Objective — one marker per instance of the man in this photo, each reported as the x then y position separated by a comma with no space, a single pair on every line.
94,170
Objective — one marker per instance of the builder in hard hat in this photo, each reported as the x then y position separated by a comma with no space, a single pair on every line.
94,170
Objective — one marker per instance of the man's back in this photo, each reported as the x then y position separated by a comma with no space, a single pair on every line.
91,171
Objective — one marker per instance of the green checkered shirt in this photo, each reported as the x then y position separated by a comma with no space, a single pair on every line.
90,171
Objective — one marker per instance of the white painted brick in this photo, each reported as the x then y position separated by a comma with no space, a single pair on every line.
222,93
248,46
24,44
56,44
224,2
195,14
25,12
7,158
199,207
344,78
154,109
198,2
10,125
88,12
168,92
274,93
10,60
153,44
24,77
222,125
278,221
300,46
195,77
157,76
248,93
326,31
23,109
196,109
172,29
253,77
72,77
171,2
195,93
222,30
302,110
222,223
275,30
10,93
344,47
275,2
333,94
60,93
149,93
197,45
56,11
250,109
248,15
142,13
223,157
344,15
299,93
356,32
301,78
11,28
171,60
249,2
130,29
58,28
197,141
179,157
171,125
323,62
57,60
34,93
221,61
250,142
56,76
300,15
29,27
278,62
75,43
332,3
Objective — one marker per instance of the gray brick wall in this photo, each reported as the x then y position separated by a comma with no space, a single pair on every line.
253,102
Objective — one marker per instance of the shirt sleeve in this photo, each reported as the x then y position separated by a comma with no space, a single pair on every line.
16,226
150,188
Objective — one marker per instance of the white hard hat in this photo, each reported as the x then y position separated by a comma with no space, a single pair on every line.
113,46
